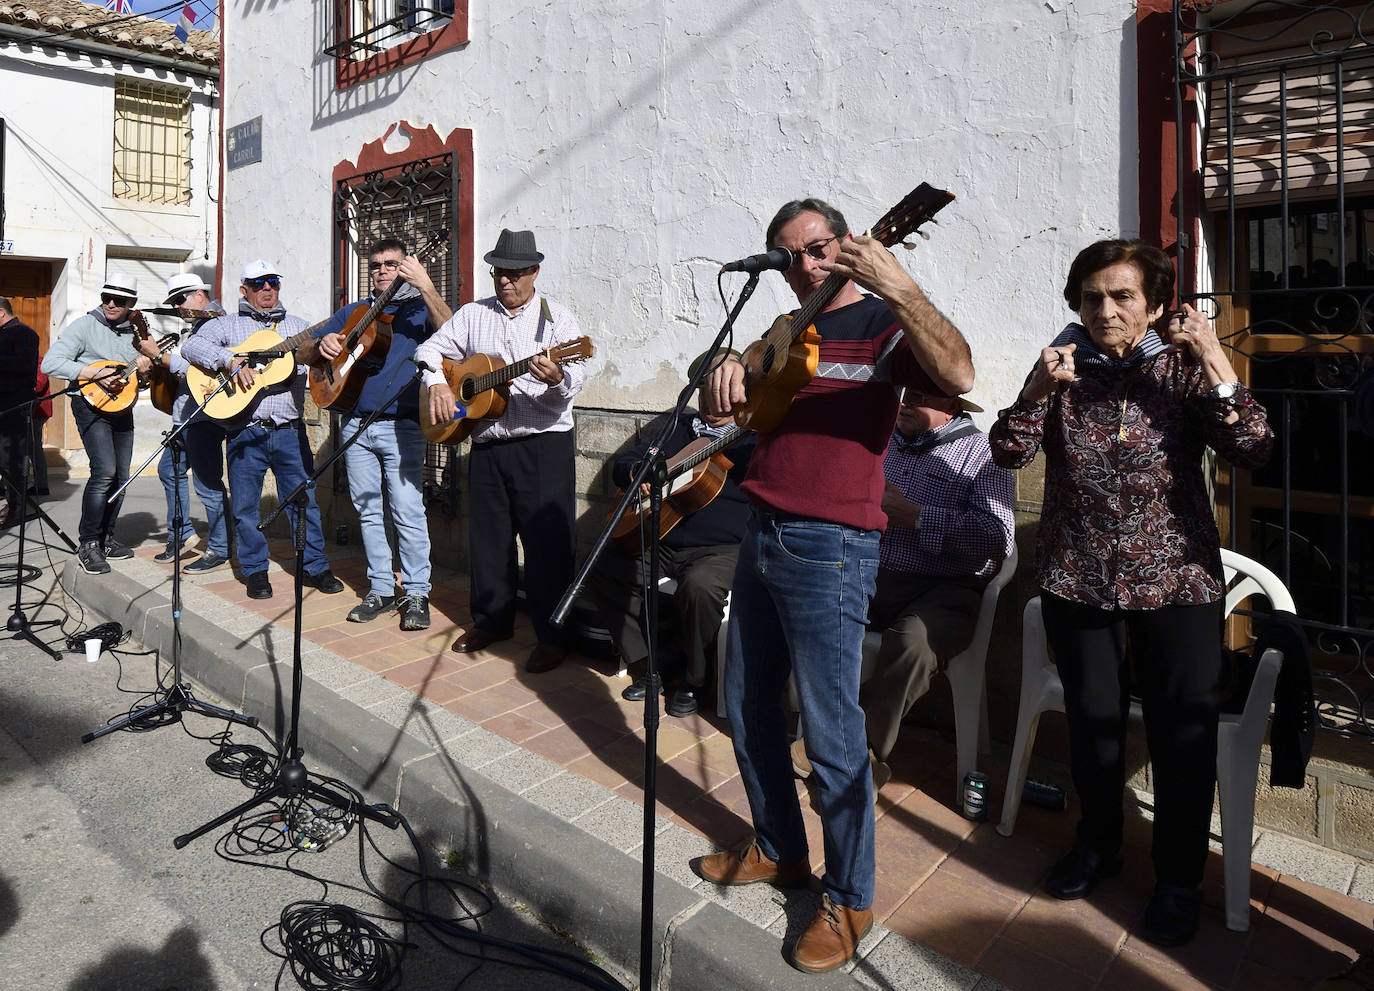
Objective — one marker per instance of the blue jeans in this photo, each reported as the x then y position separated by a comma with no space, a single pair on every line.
205,454
386,480
109,443
178,493
251,452
799,607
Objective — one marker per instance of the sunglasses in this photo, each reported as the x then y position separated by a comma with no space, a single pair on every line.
513,274
816,249
267,280
178,300
116,300
390,265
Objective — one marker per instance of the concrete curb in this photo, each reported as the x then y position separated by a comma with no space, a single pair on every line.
569,877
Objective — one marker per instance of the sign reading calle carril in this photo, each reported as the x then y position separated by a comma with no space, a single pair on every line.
243,143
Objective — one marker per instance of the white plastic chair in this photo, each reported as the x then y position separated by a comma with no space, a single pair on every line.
1238,736
967,674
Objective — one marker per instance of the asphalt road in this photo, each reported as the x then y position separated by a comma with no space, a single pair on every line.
93,896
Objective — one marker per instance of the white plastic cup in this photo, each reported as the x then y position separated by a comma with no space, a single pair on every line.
93,646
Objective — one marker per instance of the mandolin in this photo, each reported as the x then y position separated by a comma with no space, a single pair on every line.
336,383
113,390
481,388
696,474
780,363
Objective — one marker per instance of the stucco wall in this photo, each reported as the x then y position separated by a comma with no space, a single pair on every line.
648,143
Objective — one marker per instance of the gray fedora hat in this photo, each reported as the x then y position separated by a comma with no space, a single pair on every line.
514,249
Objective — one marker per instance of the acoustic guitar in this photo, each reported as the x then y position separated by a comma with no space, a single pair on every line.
100,389
336,383
780,363
696,474
272,359
481,387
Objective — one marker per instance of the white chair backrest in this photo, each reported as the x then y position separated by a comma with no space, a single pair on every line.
1253,578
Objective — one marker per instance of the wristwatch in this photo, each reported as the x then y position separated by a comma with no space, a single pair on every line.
1225,391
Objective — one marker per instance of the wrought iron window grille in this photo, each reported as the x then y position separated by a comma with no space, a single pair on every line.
412,18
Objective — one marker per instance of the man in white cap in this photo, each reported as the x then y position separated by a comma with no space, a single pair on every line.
106,333
202,442
267,434
520,471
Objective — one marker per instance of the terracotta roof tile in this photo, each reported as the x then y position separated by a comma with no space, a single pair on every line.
76,19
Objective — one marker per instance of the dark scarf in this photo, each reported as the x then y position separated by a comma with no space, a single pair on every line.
1087,355
960,426
274,315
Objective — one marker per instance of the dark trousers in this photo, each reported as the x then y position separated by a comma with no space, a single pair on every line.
1176,666
520,488
14,444
703,576
109,443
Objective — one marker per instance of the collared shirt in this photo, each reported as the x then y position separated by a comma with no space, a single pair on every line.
487,327
211,347
967,526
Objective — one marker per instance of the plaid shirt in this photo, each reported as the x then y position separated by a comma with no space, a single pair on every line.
967,527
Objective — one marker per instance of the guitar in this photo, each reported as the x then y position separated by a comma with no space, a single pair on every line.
100,390
696,474
480,387
780,363
336,383
273,360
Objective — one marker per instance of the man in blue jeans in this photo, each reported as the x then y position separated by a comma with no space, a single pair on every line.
267,434
386,464
808,564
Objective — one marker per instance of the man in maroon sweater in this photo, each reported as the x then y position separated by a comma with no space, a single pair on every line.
808,563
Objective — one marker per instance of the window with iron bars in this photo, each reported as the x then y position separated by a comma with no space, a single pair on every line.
152,142
410,201
365,27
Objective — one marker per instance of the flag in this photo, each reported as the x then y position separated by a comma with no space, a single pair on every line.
119,6
186,25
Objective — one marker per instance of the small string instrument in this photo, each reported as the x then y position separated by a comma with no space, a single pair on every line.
336,383
696,474
481,387
780,363
112,390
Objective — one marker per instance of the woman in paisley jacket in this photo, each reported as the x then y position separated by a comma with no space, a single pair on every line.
1123,404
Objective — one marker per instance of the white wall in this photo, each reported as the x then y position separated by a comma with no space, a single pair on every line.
647,143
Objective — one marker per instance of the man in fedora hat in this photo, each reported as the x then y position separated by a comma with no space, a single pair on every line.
520,471
949,527
202,440
104,334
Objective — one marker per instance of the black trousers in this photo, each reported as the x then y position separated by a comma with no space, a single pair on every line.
703,576
14,445
521,488
1176,666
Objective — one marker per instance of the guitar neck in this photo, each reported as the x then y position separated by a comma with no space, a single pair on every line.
502,375
711,449
373,311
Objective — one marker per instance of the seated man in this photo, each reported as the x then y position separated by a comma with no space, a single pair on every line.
699,553
950,526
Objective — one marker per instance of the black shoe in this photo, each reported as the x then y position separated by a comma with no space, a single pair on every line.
115,551
372,606
636,690
683,701
166,556
92,559
258,585
208,561
1078,871
324,581
1172,915
414,612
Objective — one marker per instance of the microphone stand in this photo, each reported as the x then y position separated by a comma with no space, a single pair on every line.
654,470
18,623
178,697
291,777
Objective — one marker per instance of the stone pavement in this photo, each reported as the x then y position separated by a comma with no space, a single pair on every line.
537,782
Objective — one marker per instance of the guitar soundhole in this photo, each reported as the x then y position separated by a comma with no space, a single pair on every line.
465,391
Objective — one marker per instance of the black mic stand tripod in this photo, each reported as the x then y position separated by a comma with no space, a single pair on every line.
18,623
291,778
177,697
653,470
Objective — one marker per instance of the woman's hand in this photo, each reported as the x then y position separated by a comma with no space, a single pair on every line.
1053,370
1190,328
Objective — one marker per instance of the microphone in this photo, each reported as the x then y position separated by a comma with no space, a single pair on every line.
779,258
419,364
261,355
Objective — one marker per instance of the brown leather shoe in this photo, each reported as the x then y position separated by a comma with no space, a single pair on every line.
832,937
751,865
545,657
475,639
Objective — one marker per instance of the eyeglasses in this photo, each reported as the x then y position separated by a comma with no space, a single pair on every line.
390,265
116,300
178,300
816,249
513,274
267,280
